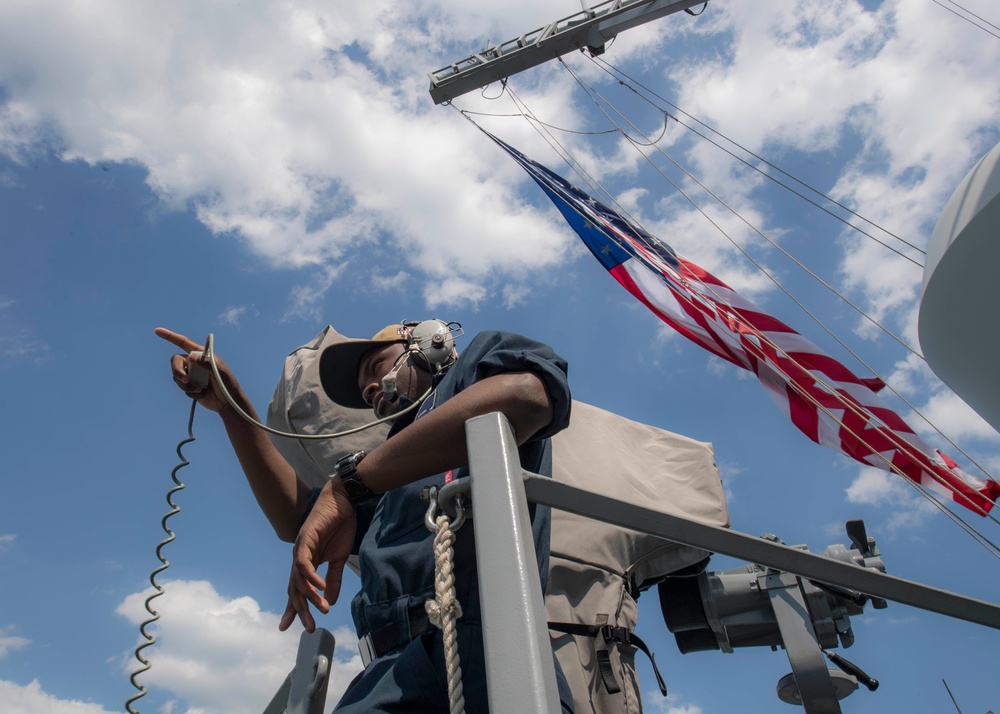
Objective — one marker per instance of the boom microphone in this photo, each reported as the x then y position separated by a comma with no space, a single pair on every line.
389,380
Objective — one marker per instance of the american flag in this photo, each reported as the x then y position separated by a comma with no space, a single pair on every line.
822,397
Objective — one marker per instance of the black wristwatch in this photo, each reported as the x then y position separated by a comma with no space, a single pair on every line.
346,469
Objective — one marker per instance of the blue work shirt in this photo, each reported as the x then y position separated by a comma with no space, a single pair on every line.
395,547
396,551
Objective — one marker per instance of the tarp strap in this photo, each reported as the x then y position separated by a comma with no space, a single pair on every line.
610,633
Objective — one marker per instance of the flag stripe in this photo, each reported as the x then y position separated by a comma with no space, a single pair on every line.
822,397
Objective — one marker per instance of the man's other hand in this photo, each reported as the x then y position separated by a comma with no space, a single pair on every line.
327,536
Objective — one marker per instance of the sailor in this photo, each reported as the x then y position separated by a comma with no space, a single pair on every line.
499,371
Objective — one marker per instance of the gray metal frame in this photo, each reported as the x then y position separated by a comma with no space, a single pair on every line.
520,676
519,664
304,689
584,29
520,671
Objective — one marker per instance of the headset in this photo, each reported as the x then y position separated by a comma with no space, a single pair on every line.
432,342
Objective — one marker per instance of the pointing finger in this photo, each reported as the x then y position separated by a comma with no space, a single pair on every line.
179,340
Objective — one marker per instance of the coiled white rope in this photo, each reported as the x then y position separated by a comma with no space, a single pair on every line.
444,609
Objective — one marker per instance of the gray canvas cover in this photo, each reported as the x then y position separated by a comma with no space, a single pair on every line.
299,406
592,563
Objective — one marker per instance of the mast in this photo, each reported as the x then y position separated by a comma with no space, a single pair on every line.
589,29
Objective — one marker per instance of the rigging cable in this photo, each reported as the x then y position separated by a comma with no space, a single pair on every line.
956,14
899,443
587,89
611,70
580,171
522,115
591,92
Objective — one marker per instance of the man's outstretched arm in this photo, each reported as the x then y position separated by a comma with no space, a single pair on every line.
436,442
281,495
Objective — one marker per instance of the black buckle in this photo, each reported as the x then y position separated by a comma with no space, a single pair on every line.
611,633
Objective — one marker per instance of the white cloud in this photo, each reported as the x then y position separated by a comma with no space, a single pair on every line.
943,412
19,346
307,299
304,128
221,654
956,418
10,642
515,295
18,343
454,292
874,487
31,699
232,314
656,703
729,472
7,541
301,128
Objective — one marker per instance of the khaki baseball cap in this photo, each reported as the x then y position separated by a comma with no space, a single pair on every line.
338,366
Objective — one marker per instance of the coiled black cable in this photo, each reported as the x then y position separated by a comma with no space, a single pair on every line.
153,614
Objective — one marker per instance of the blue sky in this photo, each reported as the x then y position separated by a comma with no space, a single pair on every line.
261,170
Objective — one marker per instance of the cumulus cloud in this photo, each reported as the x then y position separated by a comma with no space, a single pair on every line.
21,346
31,699
815,78
10,642
304,128
943,417
956,418
672,704
908,509
220,654
232,314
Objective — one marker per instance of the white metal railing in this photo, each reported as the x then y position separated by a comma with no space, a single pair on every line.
519,662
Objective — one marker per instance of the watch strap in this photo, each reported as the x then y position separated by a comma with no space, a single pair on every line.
346,469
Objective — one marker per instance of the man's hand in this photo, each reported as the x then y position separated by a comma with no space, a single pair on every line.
327,536
209,397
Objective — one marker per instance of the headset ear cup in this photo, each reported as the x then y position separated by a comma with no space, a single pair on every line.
433,339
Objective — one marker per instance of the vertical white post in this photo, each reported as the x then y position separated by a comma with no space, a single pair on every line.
520,674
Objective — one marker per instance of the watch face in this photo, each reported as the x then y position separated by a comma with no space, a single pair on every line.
347,469
349,463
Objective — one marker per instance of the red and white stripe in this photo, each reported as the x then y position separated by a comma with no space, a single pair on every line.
822,397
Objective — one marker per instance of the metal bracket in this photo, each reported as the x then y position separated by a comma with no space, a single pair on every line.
304,689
